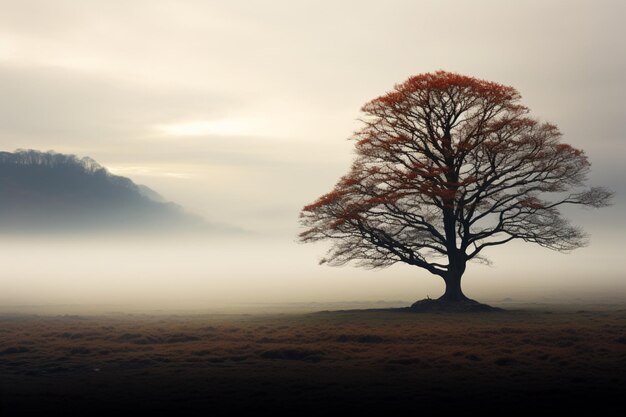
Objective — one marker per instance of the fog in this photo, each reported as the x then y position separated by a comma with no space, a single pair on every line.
188,273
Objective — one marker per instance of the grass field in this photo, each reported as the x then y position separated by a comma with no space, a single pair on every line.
522,360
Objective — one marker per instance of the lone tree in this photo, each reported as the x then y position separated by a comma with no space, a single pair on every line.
448,165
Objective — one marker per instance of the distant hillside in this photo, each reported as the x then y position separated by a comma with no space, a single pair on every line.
48,190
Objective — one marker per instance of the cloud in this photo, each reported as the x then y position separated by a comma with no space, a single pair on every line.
48,104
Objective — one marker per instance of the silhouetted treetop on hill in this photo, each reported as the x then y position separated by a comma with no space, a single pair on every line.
52,190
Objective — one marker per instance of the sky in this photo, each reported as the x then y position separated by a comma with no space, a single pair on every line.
240,111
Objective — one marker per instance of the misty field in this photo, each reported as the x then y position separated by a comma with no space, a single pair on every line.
538,359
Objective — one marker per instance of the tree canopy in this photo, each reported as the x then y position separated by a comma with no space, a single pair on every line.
447,166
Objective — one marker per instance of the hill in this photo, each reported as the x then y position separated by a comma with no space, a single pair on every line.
44,191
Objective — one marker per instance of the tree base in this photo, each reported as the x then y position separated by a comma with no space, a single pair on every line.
429,305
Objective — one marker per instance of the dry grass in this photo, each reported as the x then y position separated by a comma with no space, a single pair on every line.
349,358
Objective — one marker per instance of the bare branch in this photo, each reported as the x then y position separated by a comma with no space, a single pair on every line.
447,166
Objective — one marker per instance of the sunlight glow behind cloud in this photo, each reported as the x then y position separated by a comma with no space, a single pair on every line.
147,171
224,127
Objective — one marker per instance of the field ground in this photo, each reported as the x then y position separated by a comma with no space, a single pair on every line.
538,359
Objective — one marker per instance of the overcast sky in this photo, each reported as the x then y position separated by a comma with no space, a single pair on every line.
240,110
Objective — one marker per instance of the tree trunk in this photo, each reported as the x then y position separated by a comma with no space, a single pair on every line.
453,289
